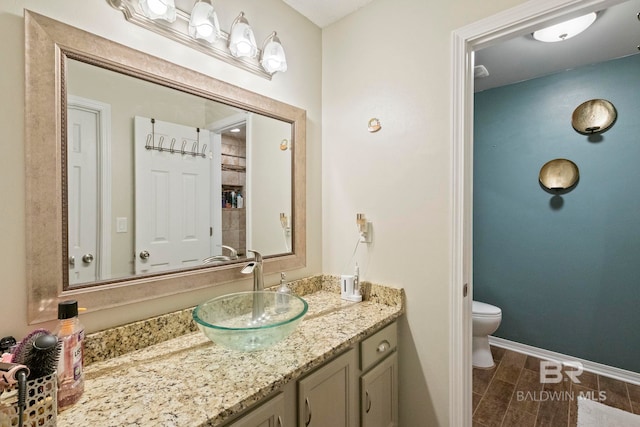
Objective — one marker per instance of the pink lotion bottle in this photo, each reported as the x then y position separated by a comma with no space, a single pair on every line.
70,365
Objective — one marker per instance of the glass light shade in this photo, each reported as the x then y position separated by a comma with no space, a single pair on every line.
159,9
242,42
565,30
273,57
203,23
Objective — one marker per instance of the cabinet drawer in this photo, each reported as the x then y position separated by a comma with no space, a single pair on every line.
378,346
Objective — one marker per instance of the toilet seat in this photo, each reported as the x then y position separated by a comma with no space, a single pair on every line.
482,309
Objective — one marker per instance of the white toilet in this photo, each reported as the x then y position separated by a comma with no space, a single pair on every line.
485,318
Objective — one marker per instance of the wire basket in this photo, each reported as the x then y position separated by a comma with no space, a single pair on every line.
41,404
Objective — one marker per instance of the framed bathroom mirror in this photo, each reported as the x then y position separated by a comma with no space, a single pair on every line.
161,179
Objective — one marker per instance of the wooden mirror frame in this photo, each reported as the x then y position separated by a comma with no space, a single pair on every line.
47,45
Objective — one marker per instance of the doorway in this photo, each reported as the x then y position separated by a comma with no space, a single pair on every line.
89,194
505,25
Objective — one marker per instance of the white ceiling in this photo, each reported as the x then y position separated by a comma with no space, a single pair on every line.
325,12
616,33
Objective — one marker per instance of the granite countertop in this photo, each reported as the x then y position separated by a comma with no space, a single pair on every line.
190,381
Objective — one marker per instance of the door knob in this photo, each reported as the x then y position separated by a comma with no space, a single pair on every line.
72,261
144,255
87,258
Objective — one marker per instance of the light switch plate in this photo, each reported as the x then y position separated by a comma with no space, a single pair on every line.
121,224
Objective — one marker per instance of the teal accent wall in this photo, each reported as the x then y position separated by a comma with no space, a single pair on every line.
564,269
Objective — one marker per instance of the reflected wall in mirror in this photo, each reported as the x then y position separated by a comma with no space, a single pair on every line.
123,208
161,180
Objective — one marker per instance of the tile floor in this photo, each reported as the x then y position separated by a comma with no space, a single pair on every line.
511,395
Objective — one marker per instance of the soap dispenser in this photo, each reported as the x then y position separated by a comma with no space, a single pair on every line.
283,293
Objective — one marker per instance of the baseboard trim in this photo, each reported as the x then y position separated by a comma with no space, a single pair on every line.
589,366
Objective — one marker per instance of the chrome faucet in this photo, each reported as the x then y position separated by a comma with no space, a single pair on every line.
222,258
255,267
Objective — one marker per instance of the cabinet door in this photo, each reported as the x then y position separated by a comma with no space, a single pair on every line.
328,397
379,394
269,414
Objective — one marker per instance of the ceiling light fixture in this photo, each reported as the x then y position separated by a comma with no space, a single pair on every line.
203,23
159,9
242,42
273,58
565,30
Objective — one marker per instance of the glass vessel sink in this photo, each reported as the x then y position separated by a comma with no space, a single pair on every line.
250,321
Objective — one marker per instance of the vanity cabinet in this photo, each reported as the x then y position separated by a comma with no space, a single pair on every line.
357,388
379,379
328,396
269,414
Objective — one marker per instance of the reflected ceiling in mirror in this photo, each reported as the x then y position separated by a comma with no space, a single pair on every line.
55,51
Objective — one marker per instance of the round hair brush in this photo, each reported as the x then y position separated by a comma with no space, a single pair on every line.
42,357
25,345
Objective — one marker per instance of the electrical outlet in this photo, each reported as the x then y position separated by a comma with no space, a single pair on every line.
365,233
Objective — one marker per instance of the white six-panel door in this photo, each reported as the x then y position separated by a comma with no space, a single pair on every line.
82,177
172,197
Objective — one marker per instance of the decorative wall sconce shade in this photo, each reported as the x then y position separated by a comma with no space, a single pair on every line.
242,42
559,175
203,23
273,58
159,9
199,29
593,116
565,30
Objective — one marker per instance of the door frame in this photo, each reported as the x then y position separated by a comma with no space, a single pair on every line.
223,125
510,23
103,113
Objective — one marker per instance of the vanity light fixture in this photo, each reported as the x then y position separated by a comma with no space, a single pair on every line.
273,58
565,30
199,29
203,23
242,42
159,9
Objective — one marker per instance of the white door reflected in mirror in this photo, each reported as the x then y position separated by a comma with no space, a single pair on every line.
174,196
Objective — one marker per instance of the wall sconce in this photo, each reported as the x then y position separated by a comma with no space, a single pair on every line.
364,227
559,176
201,31
159,9
203,23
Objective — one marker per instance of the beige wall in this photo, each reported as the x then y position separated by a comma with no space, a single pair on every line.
391,60
300,86
268,198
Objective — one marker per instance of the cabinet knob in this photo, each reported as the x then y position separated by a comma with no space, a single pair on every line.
383,346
